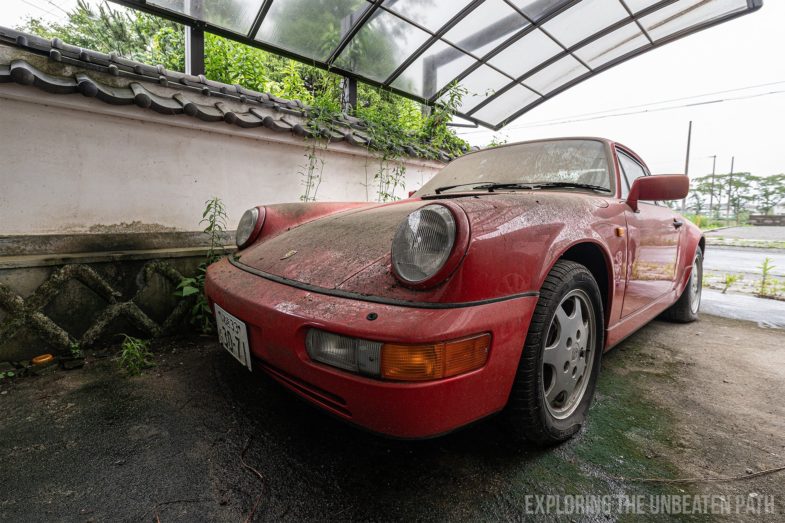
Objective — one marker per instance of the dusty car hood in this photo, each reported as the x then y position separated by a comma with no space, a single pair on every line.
513,240
328,251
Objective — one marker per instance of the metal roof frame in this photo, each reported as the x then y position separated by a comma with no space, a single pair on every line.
529,25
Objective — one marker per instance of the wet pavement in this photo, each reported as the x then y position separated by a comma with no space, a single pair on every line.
743,260
765,312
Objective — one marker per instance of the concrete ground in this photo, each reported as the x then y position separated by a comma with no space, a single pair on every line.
774,233
739,253
766,312
743,260
198,438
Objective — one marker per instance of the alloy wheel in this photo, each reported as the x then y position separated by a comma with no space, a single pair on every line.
568,356
696,282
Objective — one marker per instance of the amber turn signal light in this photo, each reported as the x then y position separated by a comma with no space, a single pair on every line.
433,361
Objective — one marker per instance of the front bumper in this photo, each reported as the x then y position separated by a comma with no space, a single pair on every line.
278,317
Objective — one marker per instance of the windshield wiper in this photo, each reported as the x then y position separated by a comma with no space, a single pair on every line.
439,190
572,184
492,186
489,186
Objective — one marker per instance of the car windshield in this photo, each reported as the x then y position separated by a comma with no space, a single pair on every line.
558,162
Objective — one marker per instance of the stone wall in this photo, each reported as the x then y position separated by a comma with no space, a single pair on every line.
51,301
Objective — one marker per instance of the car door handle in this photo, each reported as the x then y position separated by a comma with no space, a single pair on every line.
677,223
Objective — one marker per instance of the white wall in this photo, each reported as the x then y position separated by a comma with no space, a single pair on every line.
68,163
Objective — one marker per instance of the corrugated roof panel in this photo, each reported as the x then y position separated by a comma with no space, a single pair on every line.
418,48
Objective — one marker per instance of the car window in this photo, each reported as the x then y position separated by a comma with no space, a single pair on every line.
580,161
630,171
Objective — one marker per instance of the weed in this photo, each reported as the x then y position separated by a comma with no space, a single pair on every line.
7,374
764,288
497,140
389,179
201,316
311,173
214,218
730,279
135,355
76,350
779,286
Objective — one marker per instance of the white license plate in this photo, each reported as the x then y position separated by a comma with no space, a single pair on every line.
233,335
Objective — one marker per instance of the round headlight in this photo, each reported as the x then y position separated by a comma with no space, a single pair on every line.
247,227
423,243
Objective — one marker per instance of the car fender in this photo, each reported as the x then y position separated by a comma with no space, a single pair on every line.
692,239
281,217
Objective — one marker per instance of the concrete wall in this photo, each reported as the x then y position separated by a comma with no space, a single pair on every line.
767,219
69,163
93,197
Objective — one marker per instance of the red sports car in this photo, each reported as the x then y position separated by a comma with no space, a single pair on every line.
495,288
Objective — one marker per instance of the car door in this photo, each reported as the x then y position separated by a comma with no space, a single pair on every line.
652,243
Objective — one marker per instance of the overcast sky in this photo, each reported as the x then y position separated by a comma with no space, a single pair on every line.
745,52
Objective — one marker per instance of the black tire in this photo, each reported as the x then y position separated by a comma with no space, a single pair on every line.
685,310
528,416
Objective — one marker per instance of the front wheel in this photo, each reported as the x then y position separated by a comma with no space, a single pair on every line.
686,308
558,370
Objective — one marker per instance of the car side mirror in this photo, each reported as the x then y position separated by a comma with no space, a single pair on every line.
659,187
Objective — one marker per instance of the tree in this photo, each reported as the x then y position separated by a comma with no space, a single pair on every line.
153,40
703,188
697,202
740,190
135,35
771,191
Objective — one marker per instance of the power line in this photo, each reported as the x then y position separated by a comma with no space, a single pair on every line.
609,113
57,6
36,6
669,108
680,99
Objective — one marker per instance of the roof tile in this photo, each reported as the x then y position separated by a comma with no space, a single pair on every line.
146,99
245,120
25,74
105,93
207,113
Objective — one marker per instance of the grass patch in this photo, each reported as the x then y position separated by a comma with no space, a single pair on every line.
135,355
621,441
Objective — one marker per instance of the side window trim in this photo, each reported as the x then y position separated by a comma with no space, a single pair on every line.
626,182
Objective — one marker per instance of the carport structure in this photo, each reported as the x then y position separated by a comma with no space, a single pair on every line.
509,55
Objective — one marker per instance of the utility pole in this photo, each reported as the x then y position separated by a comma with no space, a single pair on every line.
687,163
711,193
730,184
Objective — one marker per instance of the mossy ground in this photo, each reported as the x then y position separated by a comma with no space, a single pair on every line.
177,432
619,443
